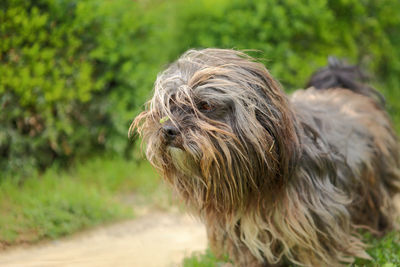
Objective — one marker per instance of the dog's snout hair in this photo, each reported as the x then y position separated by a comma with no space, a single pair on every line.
274,178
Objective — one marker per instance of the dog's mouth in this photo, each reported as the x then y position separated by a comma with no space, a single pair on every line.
173,142
182,160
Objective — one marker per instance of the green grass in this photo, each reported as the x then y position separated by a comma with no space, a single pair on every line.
58,203
385,253
206,259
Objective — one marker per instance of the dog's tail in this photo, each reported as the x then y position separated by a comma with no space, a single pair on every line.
340,75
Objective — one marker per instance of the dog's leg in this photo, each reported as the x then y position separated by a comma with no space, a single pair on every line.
220,244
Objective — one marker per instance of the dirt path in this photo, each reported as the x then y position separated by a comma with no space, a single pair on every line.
156,239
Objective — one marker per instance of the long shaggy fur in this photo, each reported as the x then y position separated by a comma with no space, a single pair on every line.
275,179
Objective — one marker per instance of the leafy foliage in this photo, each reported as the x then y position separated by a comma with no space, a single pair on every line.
69,76
46,79
297,36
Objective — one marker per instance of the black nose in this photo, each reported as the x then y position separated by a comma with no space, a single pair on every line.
170,132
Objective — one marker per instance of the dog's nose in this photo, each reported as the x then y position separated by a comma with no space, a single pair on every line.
170,132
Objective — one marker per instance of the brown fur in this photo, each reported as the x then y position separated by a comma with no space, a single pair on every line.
275,179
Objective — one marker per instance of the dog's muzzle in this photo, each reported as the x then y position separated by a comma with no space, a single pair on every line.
170,133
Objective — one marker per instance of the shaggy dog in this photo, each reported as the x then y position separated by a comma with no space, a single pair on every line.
276,179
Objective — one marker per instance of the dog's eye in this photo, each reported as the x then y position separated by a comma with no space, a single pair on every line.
205,106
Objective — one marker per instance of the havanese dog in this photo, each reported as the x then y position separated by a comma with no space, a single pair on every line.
276,179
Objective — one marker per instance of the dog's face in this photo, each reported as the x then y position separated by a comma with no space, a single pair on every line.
219,129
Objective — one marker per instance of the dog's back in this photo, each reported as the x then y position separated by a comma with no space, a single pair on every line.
349,118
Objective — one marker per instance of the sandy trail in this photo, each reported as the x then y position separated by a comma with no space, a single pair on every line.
156,239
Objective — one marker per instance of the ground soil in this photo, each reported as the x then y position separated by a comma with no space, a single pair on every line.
155,239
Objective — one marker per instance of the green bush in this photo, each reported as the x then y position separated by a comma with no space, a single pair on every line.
46,80
297,36
74,73
70,72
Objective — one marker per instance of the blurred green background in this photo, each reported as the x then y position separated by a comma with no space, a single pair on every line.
73,74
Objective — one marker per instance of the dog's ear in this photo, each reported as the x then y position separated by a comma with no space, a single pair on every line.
275,115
